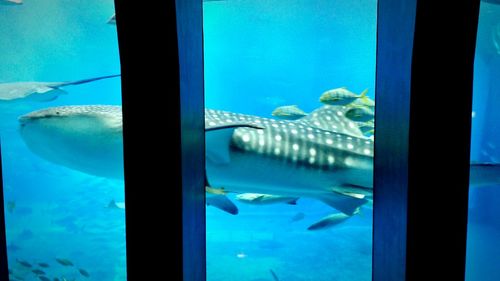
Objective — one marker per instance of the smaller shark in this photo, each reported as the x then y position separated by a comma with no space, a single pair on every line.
39,91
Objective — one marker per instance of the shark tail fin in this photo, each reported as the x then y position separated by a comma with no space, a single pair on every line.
223,203
83,81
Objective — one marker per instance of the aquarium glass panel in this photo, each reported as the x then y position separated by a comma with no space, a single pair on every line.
289,97
61,136
483,234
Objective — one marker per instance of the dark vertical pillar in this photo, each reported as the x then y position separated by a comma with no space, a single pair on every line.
147,36
440,118
190,34
4,266
425,55
396,22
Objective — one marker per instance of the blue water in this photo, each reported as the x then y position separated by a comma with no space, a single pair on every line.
483,236
263,54
60,213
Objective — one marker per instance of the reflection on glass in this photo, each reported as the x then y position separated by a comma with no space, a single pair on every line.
61,134
483,243
289,139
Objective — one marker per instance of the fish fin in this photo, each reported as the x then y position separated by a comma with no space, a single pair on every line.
332,118
350,194
83,81
215,190
217,144
223,203
345,204
363,94
42,89
218,138
293,201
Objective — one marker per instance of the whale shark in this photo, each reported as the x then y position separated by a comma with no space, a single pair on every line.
84,138
322,156
39,91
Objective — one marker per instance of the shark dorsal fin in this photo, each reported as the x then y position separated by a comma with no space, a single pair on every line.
332,118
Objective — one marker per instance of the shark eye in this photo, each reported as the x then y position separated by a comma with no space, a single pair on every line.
57,112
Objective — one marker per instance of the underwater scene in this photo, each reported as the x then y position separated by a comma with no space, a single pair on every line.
483,233
289,98
61,140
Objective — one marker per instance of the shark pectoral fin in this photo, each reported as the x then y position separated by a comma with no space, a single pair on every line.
218,138
223,203
348,205
293,201
217,145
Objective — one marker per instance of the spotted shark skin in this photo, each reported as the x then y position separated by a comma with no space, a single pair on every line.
322,156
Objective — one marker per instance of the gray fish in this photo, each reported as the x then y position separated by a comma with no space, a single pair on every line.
288,112
84,138
360,114
83,272
44,265
56,279
64,262
38,271
38,91
24,263
329,221
43,278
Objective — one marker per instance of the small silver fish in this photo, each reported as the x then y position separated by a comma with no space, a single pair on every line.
360,114
340,96
289,112
329,221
